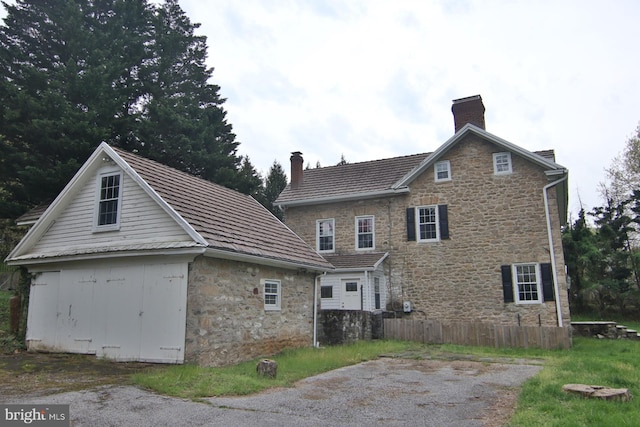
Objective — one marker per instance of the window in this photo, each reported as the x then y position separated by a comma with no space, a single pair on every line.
501,163
325,235
442,171
364,232
351,286
427,223
109,201
527,283
326,291
271,294
376,292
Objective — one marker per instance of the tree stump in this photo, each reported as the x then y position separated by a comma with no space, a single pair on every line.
598,392
267,368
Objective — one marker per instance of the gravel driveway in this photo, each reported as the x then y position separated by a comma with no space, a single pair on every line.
390,392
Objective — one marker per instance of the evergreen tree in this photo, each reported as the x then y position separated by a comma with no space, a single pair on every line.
75,73
250,181
613,271
581,254
274,183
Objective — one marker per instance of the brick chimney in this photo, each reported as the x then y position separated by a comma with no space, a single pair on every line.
468,110
296,169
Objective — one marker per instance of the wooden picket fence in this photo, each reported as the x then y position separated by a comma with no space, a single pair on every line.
478,334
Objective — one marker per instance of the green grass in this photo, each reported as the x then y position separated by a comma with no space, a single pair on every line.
612,363
191,381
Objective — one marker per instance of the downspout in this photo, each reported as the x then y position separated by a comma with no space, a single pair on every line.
552,251
316,344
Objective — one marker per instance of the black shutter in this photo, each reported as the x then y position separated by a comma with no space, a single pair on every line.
443,217
507,285
411,224
547,282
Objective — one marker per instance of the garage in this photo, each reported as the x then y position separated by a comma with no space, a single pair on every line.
122,311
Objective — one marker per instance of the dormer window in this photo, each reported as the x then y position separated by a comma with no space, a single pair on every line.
109,201
502,163
442,171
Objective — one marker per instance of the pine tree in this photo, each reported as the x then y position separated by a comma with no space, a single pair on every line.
128,72
274,183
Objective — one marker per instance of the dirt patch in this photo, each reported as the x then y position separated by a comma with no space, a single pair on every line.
39,374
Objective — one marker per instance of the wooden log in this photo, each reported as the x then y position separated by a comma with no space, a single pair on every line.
598,392
267,368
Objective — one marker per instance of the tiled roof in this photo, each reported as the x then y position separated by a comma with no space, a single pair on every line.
357,179
227,220
352,178
364,261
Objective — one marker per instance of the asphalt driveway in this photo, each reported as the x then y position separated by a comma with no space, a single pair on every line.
387,391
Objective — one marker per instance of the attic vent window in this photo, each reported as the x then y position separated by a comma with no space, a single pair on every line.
502,163
109,202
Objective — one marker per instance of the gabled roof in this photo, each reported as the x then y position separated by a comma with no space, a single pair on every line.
225,223
542,159
357,181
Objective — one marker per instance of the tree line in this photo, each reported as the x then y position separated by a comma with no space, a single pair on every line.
602,246
132,73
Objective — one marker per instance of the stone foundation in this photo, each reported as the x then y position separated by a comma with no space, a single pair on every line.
346,326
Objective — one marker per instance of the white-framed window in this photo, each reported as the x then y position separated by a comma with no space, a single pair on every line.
272,294
376,292
427,223
325,235
109,201
502,163
365,232
527,286
442,171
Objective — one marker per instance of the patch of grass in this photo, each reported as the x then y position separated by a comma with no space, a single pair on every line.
191,381
611,363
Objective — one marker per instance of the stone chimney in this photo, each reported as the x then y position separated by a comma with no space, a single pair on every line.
296,169
468,110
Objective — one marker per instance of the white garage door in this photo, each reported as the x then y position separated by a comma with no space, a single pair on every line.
122,312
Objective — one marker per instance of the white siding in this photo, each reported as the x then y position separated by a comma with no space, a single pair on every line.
123,311
336,281
142,221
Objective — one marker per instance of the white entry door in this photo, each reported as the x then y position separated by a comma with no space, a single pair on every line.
350,298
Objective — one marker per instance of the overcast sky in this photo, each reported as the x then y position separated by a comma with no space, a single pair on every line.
371,79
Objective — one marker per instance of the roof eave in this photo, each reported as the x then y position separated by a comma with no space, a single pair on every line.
271,262
193,251
343,198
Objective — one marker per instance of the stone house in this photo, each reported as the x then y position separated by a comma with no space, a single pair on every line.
469,232
135,260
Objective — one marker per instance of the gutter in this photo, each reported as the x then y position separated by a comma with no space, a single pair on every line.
316,344
552,251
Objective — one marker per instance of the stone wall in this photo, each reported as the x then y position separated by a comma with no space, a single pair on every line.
493,221
348,326
226,319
